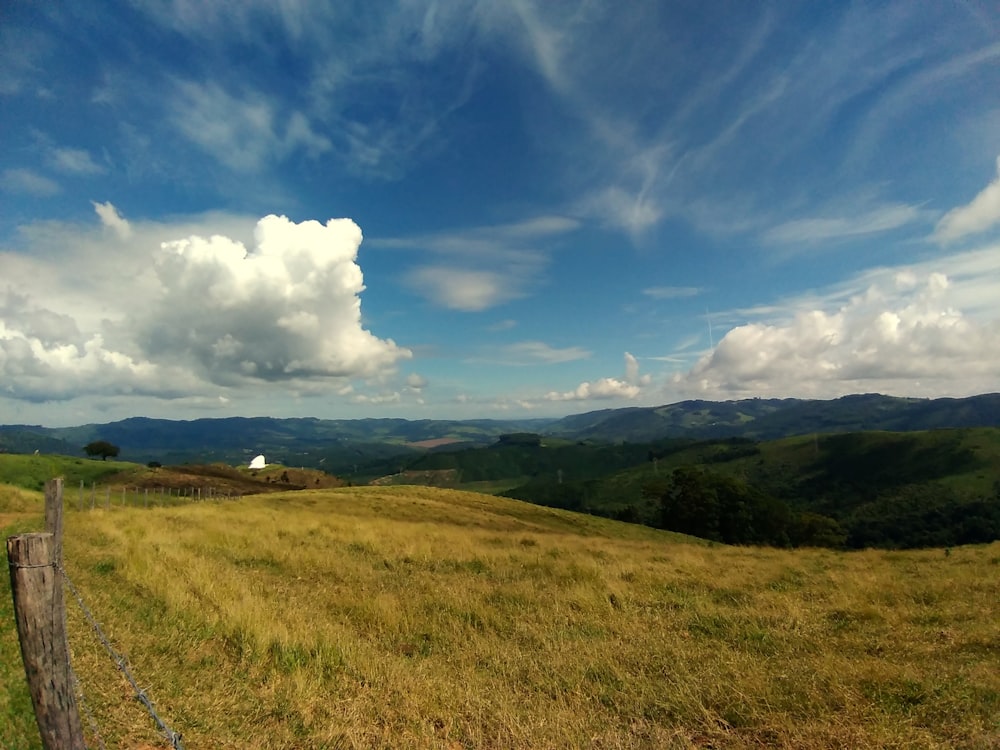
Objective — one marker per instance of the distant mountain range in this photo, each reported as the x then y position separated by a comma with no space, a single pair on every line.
347,445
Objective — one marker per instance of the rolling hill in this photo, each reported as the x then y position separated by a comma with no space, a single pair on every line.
407,617
359,447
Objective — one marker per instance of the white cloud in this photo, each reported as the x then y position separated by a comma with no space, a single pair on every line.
633,212
607,388
28,181
604,388
460,289
112,219
416,382
378,399
486,266
244,133
672,292
632,376
981,214
288,308
533,353
812,230
905,333
196,315
503,325
74,161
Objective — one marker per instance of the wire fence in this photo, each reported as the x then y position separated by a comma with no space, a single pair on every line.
144,497
121,663
40,613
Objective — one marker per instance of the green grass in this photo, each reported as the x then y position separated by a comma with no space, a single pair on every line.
32,472
406,617
20,511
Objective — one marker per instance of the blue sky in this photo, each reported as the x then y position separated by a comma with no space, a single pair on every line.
493,209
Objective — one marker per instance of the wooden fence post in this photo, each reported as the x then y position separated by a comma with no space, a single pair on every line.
54,516
36,586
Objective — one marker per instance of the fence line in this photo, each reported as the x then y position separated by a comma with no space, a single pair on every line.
37,578
143,498
122,664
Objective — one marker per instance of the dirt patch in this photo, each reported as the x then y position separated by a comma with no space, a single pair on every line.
435,443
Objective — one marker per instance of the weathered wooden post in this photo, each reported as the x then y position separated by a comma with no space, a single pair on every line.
36,586
54,515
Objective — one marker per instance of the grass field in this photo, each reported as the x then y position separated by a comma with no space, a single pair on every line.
403,617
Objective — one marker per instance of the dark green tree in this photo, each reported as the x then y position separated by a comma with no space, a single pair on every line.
101,448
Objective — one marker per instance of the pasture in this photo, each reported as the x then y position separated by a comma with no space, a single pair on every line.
409,617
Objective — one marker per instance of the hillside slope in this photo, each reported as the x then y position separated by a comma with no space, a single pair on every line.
912,489
361,447
422,618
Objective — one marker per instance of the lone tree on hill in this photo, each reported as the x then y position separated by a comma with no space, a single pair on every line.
101,448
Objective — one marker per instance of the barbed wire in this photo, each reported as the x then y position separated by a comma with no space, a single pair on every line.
122,665
94,729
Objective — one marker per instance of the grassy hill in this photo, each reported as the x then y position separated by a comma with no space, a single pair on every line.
81,476
405,617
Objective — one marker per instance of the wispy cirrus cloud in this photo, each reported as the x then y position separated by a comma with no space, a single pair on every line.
672,292
821,229
524,353
29,182
783,114
73,161
979,215
243,131
484,266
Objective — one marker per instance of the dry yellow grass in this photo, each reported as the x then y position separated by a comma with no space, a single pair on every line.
402,617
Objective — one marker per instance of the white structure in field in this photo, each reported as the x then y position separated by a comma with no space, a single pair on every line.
258,463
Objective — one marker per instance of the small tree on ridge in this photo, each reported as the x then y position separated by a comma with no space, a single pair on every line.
101,448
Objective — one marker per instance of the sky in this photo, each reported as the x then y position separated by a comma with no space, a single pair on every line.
461,209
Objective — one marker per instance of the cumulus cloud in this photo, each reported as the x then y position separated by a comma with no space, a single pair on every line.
44,356
630,387
112,219
632,376
604,388
197,315
289,308
981,214
378,399
416,382
900,335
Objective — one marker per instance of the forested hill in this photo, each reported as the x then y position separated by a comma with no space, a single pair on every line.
770,419
349,445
